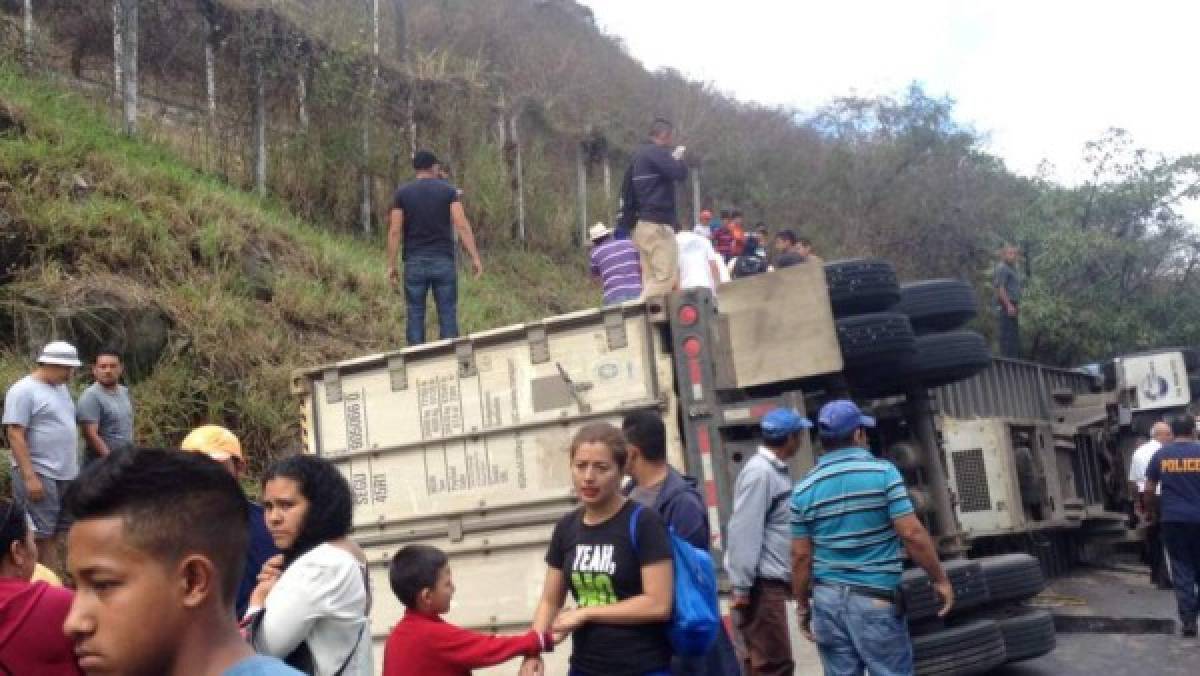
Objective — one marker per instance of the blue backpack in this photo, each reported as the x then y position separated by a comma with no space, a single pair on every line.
695,618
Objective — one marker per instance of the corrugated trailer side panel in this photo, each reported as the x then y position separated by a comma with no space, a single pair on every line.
1010,388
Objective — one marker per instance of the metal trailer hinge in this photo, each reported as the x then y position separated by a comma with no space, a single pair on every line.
333,386
397,373
614,329
465,352
539,346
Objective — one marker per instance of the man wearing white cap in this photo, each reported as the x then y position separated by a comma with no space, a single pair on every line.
39,417
615,262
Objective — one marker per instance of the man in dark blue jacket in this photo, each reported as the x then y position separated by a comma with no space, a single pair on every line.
648,200
657,485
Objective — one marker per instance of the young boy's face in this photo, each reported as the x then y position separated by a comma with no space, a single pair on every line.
443,592
125,615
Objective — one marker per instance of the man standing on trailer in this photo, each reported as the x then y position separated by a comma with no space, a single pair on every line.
1177,468
1006,284
653,171
849,518
425,215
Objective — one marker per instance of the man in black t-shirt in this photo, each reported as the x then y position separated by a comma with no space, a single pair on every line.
425,214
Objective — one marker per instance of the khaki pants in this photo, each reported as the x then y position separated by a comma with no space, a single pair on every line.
763,625
659,256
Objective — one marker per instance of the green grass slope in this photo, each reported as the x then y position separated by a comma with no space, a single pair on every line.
153,232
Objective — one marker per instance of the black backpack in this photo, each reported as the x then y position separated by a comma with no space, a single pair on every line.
749,264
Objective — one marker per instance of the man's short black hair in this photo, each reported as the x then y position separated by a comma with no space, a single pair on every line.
172,504
788,236
423,160
108,352
735,214
1183,427
659,126
413,569
724,214
330,500
14,525
645,430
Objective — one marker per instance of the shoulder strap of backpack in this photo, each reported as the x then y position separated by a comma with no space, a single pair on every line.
633,520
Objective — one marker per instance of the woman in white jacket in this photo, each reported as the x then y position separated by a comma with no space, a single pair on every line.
312,602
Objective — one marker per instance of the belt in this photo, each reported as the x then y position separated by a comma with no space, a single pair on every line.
774,582
869,592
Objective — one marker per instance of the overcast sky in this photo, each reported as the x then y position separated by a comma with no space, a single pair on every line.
1038,78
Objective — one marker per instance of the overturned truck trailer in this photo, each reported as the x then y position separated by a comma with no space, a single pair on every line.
462,443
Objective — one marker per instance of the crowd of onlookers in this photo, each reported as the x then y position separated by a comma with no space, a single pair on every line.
649,254
172,569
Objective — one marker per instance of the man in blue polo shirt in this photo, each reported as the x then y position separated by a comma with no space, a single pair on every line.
1177,468
850,515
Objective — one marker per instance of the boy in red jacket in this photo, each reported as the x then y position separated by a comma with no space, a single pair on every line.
423,644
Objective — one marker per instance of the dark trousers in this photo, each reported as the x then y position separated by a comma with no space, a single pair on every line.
764,628
721,660
1183,546
421,275
1009,335
1156,556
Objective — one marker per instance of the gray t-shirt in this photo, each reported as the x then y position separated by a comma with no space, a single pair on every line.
646,496
112,411
48,416
1006,277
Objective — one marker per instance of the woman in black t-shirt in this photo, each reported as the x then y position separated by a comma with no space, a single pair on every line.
616,561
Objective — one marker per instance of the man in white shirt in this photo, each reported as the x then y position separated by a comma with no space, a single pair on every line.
699,264
1160,435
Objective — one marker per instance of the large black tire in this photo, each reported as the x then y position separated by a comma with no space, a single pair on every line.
973,648
922,602
1028,634
872,341
1013,577
937,304
861,285
940,359
944,358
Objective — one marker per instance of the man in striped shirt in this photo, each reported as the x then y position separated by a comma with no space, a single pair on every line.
850,515
615,262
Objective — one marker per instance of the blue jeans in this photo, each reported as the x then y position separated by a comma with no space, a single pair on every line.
854,632
422,273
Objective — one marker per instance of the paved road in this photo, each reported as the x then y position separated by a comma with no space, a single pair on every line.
1114,593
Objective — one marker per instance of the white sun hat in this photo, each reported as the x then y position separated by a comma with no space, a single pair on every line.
60,353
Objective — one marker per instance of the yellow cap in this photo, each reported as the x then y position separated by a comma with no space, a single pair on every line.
214,441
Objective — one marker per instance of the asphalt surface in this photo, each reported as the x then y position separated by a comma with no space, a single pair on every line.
1120,595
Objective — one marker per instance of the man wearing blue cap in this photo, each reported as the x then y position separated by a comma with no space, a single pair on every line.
849,518
759,543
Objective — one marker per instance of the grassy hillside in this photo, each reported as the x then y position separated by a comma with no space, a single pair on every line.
111,240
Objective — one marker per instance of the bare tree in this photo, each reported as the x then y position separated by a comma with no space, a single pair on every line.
212,41
581,192
126,20
28,16
302,74
512,152
260,123
118,55
368,115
